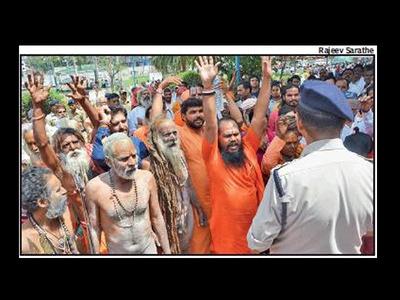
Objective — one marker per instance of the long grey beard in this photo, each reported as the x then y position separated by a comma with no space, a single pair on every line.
78,166
175,157
56,208
34,157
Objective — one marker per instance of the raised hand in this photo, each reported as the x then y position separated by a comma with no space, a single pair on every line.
171,79
39,93
104,114
366,103
266,65
207,70
78,88
233,77
282,126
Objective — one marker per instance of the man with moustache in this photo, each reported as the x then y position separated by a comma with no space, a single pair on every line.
136,115
30,148
49,229
66,157
115,121
123,203
234,173
291,97
168,165
190,138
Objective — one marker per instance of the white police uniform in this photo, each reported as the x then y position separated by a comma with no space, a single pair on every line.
321,203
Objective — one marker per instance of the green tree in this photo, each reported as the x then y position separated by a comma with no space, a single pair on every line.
168,64
191,77
53,95
112,65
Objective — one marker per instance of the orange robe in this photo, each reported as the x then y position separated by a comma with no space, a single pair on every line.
191,143
142,133
235,195
178,119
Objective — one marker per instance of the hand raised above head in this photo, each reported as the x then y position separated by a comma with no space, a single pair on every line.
78,88
266,65
171,79
208,70
39,93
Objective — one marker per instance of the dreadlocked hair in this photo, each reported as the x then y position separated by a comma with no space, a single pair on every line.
168,186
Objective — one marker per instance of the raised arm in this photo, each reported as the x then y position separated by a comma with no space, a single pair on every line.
261,108
157,106
80,95
208,71
39,94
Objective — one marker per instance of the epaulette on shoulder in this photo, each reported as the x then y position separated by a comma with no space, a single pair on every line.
282,165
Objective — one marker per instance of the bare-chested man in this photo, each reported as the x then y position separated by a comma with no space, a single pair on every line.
49,229
123,203
65,157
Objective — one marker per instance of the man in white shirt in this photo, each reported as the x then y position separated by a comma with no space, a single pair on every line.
96,93
364,119
357,83
321,203
136,116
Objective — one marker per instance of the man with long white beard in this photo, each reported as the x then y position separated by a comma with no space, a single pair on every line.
30,148
175,191
49,228
69,145
70,170
123,203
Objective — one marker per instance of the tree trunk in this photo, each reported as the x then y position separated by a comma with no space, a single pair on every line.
96,69
54,74
283,68
75,67
183,65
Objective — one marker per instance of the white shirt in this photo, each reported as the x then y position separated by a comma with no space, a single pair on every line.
346,131
329,191
170,114
365,123
94,95
133,115
357,87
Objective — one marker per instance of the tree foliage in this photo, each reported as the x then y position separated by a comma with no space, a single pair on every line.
112,65
168,64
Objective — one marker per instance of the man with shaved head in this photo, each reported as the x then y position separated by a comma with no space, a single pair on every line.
123,203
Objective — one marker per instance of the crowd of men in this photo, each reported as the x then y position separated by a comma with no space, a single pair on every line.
261,167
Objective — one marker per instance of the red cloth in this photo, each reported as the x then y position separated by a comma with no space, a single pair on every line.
134,101
367,246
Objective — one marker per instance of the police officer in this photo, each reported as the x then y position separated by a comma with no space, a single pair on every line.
321,203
